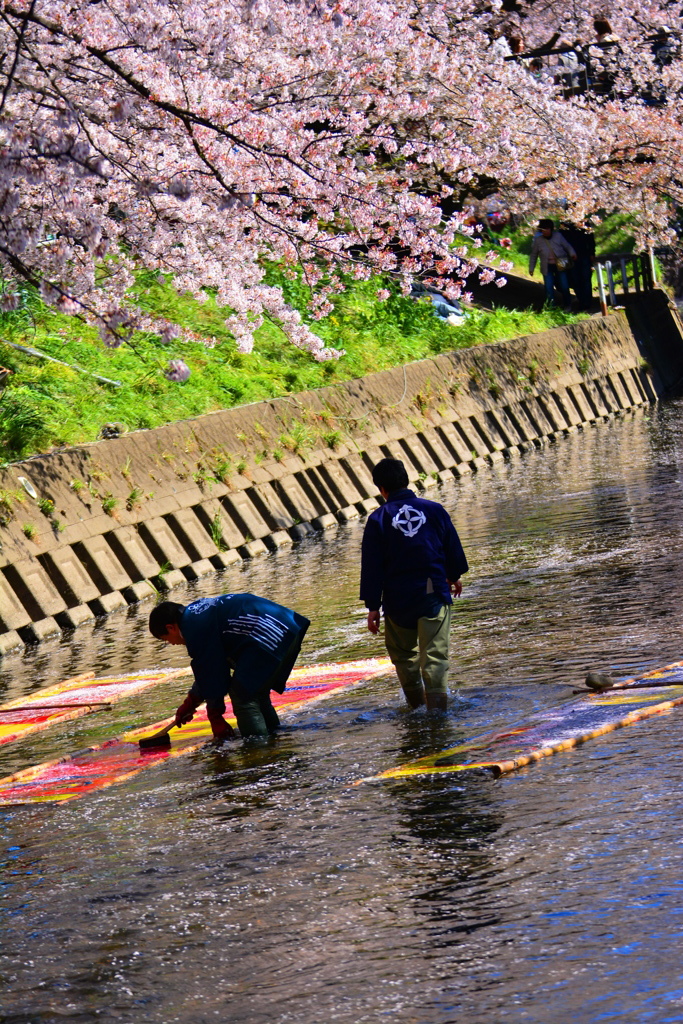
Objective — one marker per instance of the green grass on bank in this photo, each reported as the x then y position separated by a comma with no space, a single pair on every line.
45,405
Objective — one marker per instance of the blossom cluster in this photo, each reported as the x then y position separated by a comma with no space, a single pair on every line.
337,138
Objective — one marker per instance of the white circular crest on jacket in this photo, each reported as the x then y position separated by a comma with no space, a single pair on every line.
408,520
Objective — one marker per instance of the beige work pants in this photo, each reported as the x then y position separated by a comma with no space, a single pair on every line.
420,655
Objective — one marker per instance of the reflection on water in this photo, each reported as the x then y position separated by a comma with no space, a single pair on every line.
259,885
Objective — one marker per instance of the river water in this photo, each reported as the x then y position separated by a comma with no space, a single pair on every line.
258,885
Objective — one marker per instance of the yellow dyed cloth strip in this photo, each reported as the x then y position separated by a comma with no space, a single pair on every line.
551,731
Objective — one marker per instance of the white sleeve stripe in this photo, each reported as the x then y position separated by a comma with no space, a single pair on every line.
263,640
264,629
266,623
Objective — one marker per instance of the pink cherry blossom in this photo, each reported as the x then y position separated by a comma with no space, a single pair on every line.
177,371
205,140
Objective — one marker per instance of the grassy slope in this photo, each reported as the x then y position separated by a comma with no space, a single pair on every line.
45,405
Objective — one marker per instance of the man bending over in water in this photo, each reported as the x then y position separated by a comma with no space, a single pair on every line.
241,646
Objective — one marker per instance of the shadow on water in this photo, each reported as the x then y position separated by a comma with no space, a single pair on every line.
258,884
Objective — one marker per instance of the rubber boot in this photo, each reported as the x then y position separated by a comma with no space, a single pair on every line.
270,715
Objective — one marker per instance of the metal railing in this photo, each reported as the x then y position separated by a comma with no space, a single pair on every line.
630,273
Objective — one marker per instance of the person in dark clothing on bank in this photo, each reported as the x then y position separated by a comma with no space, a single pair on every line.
242,646
556,256
582,241
411,565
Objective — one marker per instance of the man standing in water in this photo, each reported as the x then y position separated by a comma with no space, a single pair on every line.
240,645
411,565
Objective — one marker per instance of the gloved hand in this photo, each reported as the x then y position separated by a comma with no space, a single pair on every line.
221,729
226,733
185,712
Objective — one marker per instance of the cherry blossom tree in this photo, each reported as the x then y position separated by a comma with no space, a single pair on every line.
341,138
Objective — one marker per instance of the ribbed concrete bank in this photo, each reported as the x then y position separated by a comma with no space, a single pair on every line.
91,529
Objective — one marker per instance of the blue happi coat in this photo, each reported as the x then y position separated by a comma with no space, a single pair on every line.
240,641
410,551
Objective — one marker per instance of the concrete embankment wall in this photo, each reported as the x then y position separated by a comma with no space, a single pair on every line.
116,521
